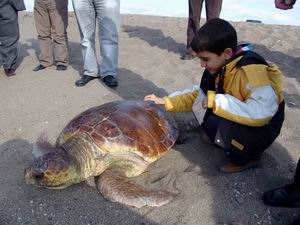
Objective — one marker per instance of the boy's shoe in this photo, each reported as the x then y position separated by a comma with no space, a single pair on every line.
61,67
287,196
233,168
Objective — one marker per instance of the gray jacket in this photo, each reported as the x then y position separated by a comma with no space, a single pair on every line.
18,5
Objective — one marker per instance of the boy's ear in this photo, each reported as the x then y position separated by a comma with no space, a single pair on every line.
228,53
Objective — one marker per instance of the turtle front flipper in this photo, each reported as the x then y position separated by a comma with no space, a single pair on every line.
120,189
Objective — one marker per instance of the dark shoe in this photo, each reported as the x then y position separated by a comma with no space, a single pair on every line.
288,196
61,67
10,72
39,67
233,168
187,56
84,80
110,81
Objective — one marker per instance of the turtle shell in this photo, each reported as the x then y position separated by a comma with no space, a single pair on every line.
123,126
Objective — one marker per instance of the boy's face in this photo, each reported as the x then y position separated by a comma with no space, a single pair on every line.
213,62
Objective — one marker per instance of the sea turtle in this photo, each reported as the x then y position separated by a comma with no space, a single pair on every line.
112,143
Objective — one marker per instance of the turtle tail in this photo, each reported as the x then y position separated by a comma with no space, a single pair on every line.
121,189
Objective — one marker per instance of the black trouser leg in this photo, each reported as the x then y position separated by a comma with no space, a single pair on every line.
210,125
9,36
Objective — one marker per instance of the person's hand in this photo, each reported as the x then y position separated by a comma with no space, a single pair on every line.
284,4
155,99
205,103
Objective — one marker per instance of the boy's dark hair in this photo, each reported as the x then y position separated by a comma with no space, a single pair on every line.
215,36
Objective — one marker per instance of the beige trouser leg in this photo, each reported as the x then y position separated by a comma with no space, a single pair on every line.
51,20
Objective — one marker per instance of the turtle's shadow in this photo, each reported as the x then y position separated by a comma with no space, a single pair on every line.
78,204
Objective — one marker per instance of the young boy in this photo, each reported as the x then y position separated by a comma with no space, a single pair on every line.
244,103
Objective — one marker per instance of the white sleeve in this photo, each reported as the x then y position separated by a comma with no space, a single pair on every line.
258,109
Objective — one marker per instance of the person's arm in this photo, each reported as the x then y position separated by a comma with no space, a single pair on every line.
284,4
178,103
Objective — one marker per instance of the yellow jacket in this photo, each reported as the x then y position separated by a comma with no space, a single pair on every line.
251,94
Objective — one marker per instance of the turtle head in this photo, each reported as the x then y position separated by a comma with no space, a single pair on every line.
53,170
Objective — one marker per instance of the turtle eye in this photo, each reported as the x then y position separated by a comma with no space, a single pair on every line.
38,175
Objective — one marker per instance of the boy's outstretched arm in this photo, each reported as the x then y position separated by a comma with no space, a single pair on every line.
178,103
155,99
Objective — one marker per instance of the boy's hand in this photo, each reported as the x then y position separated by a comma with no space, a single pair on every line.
155,99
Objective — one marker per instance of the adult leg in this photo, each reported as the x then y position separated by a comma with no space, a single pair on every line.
85,15
59,20
43,28
108,17
9,36
195,8
213,8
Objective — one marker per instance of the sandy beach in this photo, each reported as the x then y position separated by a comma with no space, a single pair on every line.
33,103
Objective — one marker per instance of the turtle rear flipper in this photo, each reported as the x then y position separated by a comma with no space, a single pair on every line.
121,189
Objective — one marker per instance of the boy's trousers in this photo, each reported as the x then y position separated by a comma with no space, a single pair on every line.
213,9
51,21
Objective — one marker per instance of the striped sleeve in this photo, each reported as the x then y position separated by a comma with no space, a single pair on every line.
256,110
180,103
